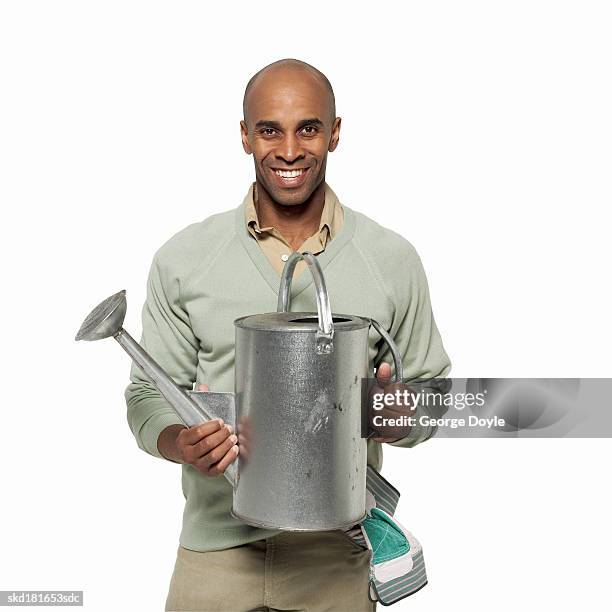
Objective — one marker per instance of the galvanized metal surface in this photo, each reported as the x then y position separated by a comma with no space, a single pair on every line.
105,319
303,463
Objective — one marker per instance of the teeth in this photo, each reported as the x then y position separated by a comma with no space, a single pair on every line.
289,173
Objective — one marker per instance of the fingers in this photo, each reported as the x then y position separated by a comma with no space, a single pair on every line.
383,374
216,451
203,388
209,447
218,468
399,405
244,437
210,443
193,435
388,440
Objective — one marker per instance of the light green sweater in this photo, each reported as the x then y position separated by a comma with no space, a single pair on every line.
213,272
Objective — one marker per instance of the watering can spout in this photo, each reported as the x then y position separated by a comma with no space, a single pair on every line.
192,407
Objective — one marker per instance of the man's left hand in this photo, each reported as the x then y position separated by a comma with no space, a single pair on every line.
384,385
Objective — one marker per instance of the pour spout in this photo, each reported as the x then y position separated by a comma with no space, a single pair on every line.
106,320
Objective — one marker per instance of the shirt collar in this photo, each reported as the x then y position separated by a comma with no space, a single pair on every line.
330,209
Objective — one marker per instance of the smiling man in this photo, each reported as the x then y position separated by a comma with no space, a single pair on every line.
228,266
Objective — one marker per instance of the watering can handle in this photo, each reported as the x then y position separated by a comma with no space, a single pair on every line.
397,358
325,333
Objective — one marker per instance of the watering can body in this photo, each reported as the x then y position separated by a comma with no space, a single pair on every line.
303,462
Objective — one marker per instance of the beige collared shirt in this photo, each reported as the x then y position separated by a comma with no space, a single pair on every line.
276,248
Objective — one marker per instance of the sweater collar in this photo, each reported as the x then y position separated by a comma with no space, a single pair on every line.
262,263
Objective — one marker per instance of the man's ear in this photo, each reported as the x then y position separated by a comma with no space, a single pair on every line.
335,135
244,135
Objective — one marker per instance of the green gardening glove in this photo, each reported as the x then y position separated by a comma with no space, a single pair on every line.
387,540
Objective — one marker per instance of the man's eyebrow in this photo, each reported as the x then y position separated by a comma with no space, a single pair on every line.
314,121
268,123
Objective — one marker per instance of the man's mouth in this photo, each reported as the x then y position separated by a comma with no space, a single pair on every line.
290,178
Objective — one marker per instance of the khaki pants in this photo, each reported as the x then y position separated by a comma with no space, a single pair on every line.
291,571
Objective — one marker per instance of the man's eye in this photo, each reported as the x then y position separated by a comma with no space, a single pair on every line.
309,130
268,131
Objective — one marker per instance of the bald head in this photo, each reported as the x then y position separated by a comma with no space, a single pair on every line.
289,69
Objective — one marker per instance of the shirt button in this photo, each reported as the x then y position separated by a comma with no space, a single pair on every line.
284,257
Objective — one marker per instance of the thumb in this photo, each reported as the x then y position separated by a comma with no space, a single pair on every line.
383,374
202,388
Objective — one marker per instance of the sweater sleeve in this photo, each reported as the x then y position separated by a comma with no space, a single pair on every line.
417,337
169,339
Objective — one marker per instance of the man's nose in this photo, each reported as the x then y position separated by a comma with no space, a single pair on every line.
290,149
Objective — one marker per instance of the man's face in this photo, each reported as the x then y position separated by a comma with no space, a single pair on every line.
289,129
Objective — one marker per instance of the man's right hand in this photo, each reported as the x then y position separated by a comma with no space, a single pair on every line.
210,447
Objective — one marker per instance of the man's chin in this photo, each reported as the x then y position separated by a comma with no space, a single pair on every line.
289,197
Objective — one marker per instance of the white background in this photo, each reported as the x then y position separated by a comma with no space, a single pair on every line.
480,131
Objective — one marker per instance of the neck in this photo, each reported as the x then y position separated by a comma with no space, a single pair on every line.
295,222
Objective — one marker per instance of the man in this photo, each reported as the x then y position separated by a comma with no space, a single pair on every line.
228,266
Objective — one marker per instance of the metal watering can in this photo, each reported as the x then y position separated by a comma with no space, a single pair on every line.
297,405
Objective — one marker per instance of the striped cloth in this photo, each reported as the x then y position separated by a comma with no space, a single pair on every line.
387,593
